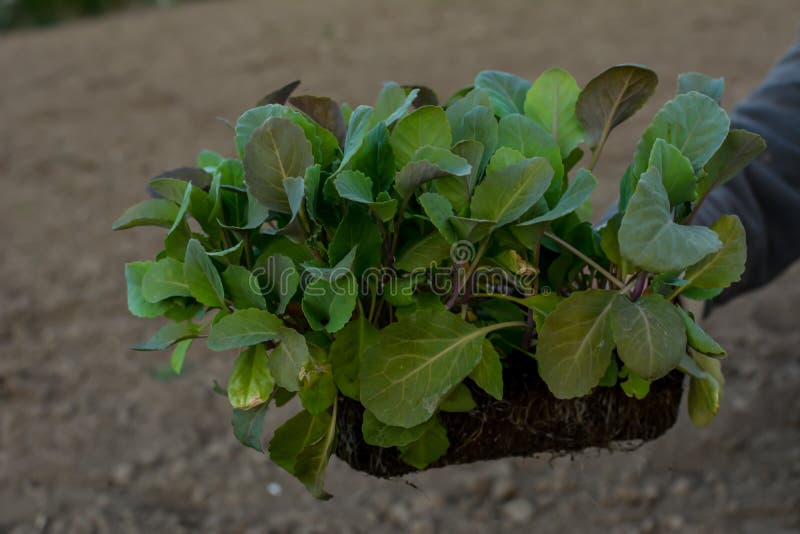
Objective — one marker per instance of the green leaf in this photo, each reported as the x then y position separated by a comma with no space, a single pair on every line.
610,377
153,212
575,343
676,172
137,304
201,275
609,239
650,239
295,192
739,149
179,355
382,435
230,255
208,160
278,278
551,102
318,391
458,400
168,335
375,158
415,363
726,265
250,383
295,435
183,209
697,337
693,123
289,358
649,334
429,163
471,118
347,351
385,207
355,186
506,91
634,385
248,426
506,194
427,449
611,98
357,128
458,189
311,182
439,210
425,126
243,288
174,190
696,293
243,328
183,310
542,305
310,465
323,143
473,230
488,374
503,157
422,254
391,97
328,305
357,229
705,395
526,136
276,151
358,187
696,81
402,110
577,193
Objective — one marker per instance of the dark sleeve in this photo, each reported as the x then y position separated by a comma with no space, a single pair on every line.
766,195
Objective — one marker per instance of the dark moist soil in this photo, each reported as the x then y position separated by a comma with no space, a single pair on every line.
529,420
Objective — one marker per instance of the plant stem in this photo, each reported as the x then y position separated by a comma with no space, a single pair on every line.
373,297
526,339
638,288
248,253
676,293
399,217
304,220
478,256
587,259
456,288
696,208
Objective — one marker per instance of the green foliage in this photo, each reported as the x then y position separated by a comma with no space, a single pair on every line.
345,252
651,239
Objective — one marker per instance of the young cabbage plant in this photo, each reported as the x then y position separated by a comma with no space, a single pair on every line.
393,254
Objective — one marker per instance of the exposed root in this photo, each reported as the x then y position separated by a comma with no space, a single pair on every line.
528,421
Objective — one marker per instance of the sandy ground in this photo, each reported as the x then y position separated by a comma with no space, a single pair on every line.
90,441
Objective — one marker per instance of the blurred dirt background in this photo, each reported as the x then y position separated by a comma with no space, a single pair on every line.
91,441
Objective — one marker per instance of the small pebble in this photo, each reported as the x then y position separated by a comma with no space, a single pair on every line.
518,511
399,513
675,522
681,487
122,474
503,489
274,489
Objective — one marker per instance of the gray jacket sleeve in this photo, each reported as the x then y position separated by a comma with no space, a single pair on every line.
766,194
